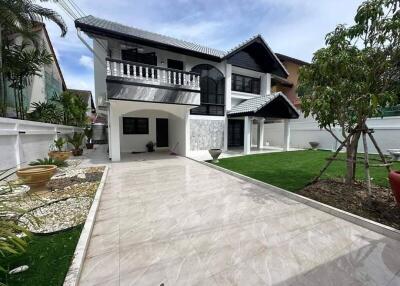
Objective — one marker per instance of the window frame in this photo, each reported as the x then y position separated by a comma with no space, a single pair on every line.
240,80
135,121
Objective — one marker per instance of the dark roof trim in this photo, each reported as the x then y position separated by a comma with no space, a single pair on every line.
290,59
281,80
257,39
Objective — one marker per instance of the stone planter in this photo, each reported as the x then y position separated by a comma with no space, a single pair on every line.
36,175
394,179
215,154
59,155
313,145
395,153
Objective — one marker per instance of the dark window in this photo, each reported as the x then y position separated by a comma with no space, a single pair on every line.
135,125
212,91
133,55
245,84
174,64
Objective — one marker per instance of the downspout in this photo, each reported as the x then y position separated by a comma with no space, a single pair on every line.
78,33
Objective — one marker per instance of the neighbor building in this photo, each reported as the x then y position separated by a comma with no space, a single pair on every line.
183,96
41,87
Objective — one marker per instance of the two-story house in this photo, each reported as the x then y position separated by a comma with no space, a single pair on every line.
183,96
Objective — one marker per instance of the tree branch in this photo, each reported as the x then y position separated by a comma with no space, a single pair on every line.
333,134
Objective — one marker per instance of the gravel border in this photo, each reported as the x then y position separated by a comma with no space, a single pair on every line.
74,272
358,220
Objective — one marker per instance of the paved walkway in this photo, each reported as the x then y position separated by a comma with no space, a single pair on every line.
166,220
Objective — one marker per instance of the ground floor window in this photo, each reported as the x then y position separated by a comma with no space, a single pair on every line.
135,125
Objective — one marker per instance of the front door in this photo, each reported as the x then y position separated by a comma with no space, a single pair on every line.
235,133
162,132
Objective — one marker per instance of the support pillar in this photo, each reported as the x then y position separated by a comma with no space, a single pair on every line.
260,141
286,135
115,147
247,135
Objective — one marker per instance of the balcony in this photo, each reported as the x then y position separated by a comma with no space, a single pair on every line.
141,82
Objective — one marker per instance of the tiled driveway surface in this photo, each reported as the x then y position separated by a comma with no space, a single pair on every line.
166,220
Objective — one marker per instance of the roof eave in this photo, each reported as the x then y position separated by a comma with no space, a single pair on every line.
90,29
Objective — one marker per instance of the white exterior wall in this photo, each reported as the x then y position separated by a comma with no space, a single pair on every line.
100,72
231,98
18,149
305,130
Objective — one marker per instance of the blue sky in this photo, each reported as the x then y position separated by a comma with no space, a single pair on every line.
293,27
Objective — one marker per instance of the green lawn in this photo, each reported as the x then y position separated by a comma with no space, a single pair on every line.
293,170
48,258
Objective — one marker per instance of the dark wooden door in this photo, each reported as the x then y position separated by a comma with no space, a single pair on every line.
235,133
162,132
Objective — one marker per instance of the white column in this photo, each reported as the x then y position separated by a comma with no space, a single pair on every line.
226,134
247,135
228,86
268,83
115,148
286,135
187,132
260,142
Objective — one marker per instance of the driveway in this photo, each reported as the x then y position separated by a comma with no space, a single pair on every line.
166,220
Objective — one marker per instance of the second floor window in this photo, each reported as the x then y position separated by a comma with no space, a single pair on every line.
245,84
212,91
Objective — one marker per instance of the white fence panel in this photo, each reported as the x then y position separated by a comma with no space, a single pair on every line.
305,130
23,141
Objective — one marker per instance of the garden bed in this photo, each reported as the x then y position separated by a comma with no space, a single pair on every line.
382,208
55,215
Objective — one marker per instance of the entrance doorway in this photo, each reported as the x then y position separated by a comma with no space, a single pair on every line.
235,133
162,132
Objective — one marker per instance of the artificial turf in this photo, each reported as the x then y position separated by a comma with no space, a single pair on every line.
48,258
294,170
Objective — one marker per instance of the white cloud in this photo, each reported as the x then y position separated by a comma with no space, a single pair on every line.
86,61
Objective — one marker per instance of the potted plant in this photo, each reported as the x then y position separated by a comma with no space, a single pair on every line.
314,145
36,176
394,179
150,146
89,137
76,141
215,154
58,153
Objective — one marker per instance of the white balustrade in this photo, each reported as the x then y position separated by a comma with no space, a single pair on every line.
154,74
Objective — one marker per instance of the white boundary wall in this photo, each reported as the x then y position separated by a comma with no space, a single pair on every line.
304,130
23,141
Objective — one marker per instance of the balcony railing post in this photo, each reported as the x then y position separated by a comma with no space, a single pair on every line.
134,71
121,69
115,69
169,77
164,76
153,77
128,70
140,71
108,68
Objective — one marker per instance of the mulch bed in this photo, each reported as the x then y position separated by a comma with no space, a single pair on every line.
354,199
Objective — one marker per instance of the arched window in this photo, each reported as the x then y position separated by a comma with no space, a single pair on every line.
212,91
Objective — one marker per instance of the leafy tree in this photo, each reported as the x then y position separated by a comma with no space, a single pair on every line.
355,75
20,16
73,108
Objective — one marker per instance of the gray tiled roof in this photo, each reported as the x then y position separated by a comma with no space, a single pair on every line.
253,105
134,32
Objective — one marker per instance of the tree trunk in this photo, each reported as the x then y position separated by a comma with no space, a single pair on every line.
351,156
2,84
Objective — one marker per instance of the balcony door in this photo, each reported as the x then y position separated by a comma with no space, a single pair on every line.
162,132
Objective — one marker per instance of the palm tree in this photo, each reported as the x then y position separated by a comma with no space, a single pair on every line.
20,16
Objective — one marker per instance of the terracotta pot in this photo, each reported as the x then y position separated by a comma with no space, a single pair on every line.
215,154
77,152
60,155
394,179
36,175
